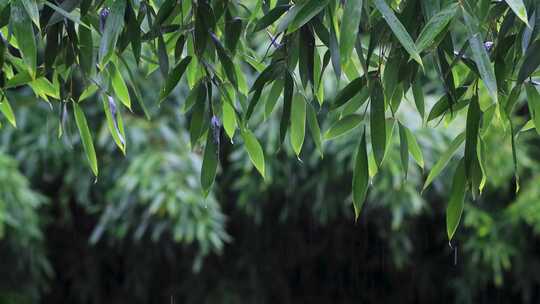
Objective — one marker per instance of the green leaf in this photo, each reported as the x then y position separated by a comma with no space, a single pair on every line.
418,95
271,17
349,91
86,137
111,114
32,9
533,99
298,123
455,204
343,126
233,32
414,148
531,61
404,149
377,122
197,116
119,86
5,108
435,26
306,13
314,128
481,57
254,150
86,51
445,158
226,61
163,57
349,28
23,31
360,176
471,139
229,119
111,32
273,96
398,29
334,46
209,164
519,9
174,77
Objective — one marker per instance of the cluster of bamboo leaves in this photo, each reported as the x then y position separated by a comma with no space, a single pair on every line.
486,54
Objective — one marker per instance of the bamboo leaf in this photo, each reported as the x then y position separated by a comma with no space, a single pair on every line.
444,159
404,149
119,86
271,17
229,119
435,26
398,29
471,140
254,150
6,109
174,77
418,95
481,57
343,126
209,164
377,122
24,33
519,9
531,61
414,148
111,32
349,91
314,128
360,176
298,123
533,100
86,137
306,13
352,13
455,204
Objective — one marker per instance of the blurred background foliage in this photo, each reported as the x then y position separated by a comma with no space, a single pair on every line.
144,233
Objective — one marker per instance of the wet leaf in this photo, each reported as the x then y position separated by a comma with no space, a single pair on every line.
86,137
444,159
254,149
360,176
298,123
343,126
455,203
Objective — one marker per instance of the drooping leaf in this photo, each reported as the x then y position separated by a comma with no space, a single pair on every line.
119,86
273,96
271,17
480,56
225,60
24,33
531,61
435,26
418,95
254,150
404,149
308,11
377,121
209,164
414,148
32,9
111,114
343,126
471,139
455,203
519,9
5,108
533,99
298,123
174,77
349,91
349,28
113,28
360,176
398,29
86,137
444,159
314,128
229,119
86,51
